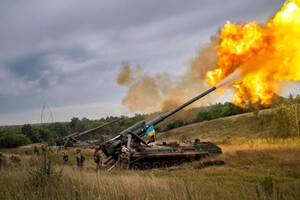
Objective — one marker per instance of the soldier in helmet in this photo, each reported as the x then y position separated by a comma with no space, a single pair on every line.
35,150
98,158
15,159
44,149
65,157
58,141
79,158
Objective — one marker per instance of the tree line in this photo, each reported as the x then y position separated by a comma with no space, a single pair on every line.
285,120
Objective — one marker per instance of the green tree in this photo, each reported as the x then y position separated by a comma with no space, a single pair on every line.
59,129
44,133
31,133
2,132
27,130
73,122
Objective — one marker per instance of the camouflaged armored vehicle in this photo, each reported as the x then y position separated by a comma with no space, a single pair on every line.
143,156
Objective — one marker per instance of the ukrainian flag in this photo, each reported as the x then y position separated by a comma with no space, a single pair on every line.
150,131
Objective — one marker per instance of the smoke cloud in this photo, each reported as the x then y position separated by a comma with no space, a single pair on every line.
164,91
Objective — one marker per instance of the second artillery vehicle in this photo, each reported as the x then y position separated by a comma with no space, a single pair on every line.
73,138
143,156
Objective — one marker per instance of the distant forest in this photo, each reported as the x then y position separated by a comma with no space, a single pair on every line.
14,136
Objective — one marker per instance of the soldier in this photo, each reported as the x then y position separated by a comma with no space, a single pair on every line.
65,157
79,158
15,159
58,141
3,161
124,158
44,149
98,158
35,150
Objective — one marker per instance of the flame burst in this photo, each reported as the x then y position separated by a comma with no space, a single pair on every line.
266,55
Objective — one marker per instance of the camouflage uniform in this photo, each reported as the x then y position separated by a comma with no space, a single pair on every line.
65,157
58,141
15,159
98,158
35,150
124,158
79,158
44,149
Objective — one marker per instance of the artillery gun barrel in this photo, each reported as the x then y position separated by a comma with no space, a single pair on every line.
90,130
175,110
71,135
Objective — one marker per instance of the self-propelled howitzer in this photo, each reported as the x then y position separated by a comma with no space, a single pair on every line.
112,148
75,136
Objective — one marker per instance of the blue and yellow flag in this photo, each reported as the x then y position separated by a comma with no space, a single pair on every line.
150,131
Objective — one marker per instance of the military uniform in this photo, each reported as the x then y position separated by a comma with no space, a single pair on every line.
65,157
98,158
79,158
36,150
15,159
124,158
44,149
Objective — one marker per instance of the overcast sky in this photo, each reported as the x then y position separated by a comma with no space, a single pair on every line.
67,54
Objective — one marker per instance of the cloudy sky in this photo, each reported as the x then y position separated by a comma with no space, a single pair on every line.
67,54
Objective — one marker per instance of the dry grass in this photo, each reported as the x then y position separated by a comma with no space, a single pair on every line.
216,183
250,158
246,166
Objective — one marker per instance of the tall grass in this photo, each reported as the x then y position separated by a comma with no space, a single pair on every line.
206,184
247,167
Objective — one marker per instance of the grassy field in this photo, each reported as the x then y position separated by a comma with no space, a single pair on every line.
247,125
256,168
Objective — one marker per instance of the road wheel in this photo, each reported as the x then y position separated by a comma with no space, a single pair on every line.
136,166
147,166
175,163
156,165
166,164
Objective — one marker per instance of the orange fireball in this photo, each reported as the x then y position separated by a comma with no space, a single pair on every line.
266,55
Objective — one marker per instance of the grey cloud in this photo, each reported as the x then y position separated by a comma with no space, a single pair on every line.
69,52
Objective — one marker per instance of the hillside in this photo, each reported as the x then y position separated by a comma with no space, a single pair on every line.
246,125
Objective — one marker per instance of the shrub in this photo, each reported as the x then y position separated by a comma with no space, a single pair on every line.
286,119
44,175
13,140
175,124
